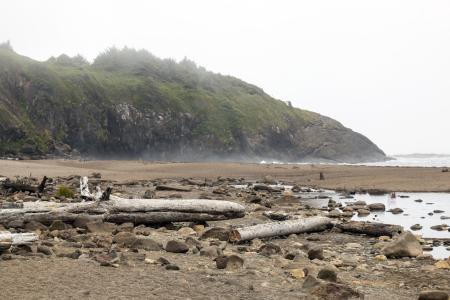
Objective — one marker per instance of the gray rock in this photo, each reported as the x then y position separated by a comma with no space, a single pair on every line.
101,227
405,245
363,212
58,225
45,250
416,227
172,267
211,251
232,262
377,207
327,274
147,244
219,233
175,246
316,252
396,210
433,295
149,194
124,238
269,249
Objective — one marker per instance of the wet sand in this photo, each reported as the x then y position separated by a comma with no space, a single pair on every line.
403,179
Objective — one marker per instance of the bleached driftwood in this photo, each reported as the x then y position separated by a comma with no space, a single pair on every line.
119,210
272,229
8,239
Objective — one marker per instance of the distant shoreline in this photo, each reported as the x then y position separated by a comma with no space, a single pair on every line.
337,177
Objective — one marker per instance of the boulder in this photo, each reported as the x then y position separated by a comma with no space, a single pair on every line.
328,274
101,227
433,295
145,243
405,245
211,251
175,246
232,262
269,249
219,233
316,252
377,207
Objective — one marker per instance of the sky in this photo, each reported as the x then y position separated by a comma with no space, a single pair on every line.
381,68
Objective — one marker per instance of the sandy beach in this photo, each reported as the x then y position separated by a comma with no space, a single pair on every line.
395,179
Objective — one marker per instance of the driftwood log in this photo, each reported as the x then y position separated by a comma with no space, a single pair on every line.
8,239
372,229
120,210
272,229
22,187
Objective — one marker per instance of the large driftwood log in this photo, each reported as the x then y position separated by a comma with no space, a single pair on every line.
120,210
272,229
372,229
8,239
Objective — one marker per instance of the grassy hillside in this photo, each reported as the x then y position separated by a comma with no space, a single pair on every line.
131,103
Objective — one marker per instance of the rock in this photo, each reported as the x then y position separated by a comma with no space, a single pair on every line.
58,225
277,216
96,175
101,227
439,227
442,264
297,273
315,252
34,225
331,290
328,274
149,194
193,242
405,245
433,295
124,238
363,212
269,249
198,227
175,246
186,231
396,210
211,251
335,213
310,282
177,188
438,211
377,207
416,227
172,267
16,224
232,262
418,200
143,230
219,233
45,250
381,257
163,262
269,180
126,227
67,252
145,243
359,203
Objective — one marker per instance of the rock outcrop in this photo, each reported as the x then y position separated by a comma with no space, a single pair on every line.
130,104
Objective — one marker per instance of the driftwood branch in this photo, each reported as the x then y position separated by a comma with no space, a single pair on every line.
272,229
8,239
22,187
372,229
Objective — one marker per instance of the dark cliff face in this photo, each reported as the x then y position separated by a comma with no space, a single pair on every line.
129,104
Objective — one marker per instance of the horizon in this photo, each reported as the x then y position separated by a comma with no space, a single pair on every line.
381,69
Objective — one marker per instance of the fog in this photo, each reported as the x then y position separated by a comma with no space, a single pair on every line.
381,68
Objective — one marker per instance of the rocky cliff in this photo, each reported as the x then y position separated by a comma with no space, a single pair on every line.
130,104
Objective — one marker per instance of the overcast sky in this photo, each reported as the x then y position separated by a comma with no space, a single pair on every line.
381,68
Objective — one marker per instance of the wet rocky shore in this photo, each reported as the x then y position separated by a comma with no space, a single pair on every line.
197,260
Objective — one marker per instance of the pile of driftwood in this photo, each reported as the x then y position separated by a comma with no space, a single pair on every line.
102,206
